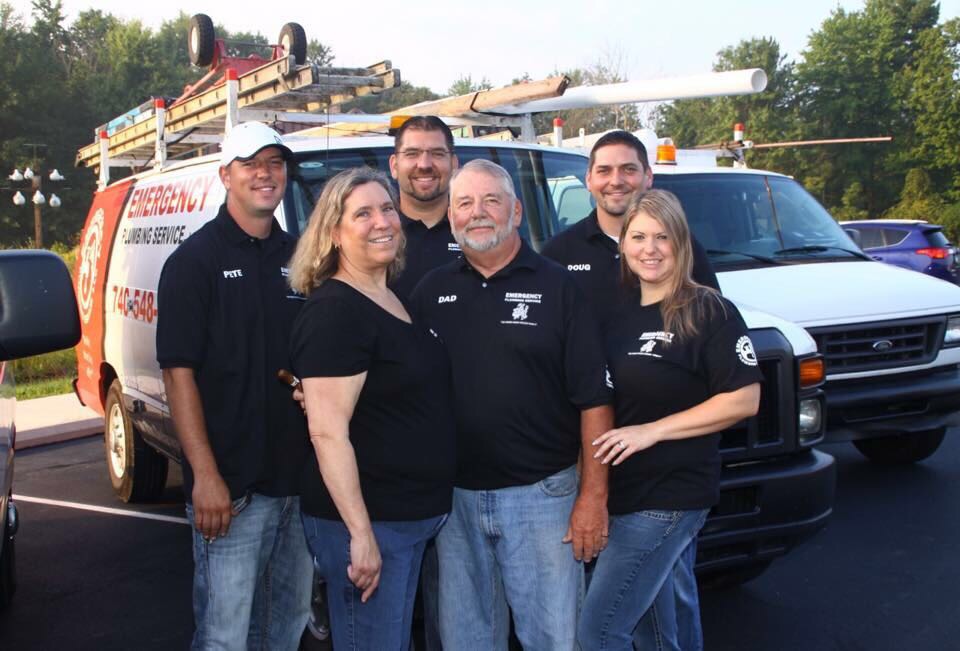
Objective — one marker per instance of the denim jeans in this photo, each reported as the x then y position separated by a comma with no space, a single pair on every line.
632,593
430,592
681,587
382,623
504,548
251,588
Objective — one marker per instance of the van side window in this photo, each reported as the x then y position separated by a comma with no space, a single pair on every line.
565,176
312,171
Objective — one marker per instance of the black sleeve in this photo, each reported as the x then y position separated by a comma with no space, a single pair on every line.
584,359
728,356
184,294
702,269
331,338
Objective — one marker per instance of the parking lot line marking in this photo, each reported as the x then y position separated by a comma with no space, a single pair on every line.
100,509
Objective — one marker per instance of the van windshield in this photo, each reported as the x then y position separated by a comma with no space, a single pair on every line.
550,184
752,219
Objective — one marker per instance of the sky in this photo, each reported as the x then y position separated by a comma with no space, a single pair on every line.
433,44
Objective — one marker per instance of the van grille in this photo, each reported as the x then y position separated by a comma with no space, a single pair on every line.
763,434
872,346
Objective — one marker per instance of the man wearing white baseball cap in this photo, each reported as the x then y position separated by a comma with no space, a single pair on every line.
226,312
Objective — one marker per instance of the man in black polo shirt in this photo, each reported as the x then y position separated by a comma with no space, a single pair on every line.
225,314
618,170
422,162
529,390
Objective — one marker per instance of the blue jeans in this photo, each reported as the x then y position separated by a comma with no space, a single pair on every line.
633,591
430,592
382,623
251,588
504,547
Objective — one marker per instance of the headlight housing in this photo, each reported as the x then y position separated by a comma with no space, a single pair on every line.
951,336
810,421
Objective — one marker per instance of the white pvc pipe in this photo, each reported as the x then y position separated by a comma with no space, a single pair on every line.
715,84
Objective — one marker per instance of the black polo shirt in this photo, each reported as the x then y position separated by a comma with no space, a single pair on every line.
656,374
427,249
402,427
594,259
225,310
526,357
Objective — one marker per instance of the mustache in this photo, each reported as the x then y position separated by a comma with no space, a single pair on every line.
483,222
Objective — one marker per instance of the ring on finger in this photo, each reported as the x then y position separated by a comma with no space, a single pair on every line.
621,445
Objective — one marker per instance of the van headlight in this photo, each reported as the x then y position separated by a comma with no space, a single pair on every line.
952,335
810,420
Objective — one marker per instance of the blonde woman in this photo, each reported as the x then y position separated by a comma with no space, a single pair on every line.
683,369
376,391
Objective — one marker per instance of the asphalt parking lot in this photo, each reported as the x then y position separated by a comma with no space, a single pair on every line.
883,575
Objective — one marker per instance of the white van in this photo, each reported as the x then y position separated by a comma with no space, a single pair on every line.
890,337
776,488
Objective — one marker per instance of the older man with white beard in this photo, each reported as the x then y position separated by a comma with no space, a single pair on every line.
530,394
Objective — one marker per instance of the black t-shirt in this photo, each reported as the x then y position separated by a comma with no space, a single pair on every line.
656,375
225,310
594,259
402,427
427,249
526,357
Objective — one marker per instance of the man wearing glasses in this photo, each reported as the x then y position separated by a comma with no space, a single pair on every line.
422,163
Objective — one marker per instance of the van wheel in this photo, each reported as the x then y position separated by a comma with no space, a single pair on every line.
902,449
201,40
137,471
8,576
294,41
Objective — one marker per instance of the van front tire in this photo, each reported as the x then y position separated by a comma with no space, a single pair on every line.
903,449
137,471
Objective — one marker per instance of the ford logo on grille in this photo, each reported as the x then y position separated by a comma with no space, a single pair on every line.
883,345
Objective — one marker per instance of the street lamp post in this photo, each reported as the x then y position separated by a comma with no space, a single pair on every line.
35,177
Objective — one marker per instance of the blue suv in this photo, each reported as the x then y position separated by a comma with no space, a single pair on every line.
908,243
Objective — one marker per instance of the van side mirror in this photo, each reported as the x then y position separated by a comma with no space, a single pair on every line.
38,309
854,235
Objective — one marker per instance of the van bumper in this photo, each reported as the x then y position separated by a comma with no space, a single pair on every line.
766,508
892,405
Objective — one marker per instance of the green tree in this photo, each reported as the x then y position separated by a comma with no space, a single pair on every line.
850,84
406,94
932,94
465,84
769,116
853,204
608,69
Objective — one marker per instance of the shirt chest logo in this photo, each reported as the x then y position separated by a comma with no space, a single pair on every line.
452,298
453,247
650,341
233,273
519,304
578,267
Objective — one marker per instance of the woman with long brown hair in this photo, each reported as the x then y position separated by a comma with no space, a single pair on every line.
683,369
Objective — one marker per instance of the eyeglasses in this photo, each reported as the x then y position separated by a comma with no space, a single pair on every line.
415,154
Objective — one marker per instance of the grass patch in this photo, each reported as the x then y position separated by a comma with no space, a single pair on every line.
43,388
59,364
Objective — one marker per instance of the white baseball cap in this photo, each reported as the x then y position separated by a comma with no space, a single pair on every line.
245,140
